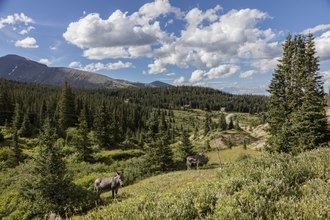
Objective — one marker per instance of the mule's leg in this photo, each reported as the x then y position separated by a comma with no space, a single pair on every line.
113,193
98,198
116,191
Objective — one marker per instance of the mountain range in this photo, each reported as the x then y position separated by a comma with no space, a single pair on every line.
17,68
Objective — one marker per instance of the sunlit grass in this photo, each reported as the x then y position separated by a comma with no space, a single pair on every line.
230,155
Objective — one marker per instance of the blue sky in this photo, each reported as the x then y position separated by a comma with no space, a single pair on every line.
227,45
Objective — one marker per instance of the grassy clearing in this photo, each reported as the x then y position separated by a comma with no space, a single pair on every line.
230,155
154,188
120,154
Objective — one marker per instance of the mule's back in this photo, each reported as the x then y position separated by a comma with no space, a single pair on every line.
107,184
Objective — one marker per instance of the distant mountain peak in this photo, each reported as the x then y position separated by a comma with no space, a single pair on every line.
159,84
18,68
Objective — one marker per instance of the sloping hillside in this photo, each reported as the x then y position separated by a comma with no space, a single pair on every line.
297,187
170,188
17,68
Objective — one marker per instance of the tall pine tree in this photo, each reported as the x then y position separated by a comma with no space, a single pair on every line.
309,121
83,143
185,147
281,94
67,114
222,122
159,155
207,123
102,127
296,116
48,188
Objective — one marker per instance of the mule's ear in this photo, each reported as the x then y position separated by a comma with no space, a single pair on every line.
118,172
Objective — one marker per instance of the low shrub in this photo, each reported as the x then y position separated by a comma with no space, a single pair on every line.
276,187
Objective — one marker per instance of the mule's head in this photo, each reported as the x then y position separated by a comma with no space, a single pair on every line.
120,178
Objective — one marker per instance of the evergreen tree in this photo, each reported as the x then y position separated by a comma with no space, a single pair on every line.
207,123
310,121
2,137
222,122
115,131
278,109
153,126
163,123
83,144
159,155
231,123
296,116
48,188
67,115
17,149
17,119
185,147
5,106
102,127
26,128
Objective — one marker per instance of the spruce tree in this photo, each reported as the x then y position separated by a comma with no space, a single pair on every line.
153,126
207,123
159,155
83,144
102,127
278,107
48,188
185,147
5,106
67,115
231,123
296,116
17,149
222,122
17,119
310,121
2,137
26,128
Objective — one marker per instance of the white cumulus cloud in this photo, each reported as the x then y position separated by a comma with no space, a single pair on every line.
44,61
247,74
212,41
15,19
129,35
322,46
179,81
28,42
221,71
94,67
225,38
320,27
326,79
75,65
26,30
197,76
